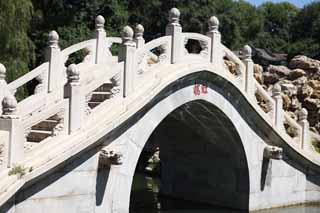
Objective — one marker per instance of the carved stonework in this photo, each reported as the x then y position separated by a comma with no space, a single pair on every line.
40,87
163,52
115,80
110,157
59,128
273,152
87,108
142,63
186,52
204,48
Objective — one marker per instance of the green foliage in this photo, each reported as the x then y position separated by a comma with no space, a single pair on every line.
17,50
18,170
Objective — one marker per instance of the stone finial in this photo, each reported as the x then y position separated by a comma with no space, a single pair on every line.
53,38
139,30
213,23
73,73
127,33
174,16
303,114
3,71
9,105
247,52
100,21
276,90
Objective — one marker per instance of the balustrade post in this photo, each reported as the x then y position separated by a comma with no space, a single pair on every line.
55,74
216,54
3,83
101,41
76,98
127,55
304,123
138,36
248,76
13,134
278,107
174,30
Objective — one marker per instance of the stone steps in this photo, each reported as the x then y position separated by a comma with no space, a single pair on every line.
100,94
38,135
46,125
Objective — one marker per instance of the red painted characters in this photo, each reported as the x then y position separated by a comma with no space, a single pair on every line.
199,89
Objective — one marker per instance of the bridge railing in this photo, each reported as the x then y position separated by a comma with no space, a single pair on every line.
135,59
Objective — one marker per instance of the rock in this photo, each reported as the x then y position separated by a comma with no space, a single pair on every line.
311,104
295,104
304,92
315,84
300,81
289,89
258,73
279,70
305,63
270,78
286,102
296,73
231,66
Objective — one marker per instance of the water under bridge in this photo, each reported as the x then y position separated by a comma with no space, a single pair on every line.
74,144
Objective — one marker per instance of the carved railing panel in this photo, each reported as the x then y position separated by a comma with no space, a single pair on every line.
155,52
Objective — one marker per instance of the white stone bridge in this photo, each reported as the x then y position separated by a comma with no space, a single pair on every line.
74,144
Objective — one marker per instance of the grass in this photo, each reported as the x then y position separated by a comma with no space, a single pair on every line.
18,170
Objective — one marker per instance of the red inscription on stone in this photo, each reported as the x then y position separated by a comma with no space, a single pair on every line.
199,89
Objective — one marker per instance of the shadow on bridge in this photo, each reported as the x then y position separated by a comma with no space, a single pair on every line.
202,160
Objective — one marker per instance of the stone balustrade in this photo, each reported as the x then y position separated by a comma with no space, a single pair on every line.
134,53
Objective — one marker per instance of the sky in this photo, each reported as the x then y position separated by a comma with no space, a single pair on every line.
298,3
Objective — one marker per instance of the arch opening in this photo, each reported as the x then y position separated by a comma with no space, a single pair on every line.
194,159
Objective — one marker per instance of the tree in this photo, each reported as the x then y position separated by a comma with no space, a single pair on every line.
306,31
277,24
17,50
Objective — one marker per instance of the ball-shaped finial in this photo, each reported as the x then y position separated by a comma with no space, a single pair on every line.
276,90
100,21
303,114
139,30
73,73
214,23
127,33
53,37
3,71
247,51
9,105
174,15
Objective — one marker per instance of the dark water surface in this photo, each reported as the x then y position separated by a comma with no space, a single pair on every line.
145,198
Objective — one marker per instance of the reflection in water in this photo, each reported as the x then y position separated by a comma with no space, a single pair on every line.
145,198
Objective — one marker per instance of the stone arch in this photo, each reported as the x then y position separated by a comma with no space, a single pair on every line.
202,158
134,139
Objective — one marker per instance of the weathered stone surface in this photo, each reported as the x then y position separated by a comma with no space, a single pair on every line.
231,66
305,63
279,70
270,78
296,73
258,73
